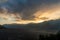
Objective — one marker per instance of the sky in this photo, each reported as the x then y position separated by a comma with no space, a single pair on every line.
28,11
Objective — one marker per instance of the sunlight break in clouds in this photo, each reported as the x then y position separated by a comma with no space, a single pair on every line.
50,14
44,12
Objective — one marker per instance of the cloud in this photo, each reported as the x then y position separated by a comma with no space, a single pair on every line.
27,8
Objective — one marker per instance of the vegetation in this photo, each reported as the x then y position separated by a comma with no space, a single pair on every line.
50,37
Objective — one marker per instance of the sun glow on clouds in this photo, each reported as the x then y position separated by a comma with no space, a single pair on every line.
45,14
11,18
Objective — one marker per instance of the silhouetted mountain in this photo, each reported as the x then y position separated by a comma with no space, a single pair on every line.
47,26
16,34
32,31
2,27
3,33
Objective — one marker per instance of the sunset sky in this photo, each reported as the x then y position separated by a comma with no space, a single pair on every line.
28,11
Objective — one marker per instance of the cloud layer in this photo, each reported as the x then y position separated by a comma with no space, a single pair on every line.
27,8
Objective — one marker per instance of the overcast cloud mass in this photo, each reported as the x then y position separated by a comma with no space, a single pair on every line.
27,7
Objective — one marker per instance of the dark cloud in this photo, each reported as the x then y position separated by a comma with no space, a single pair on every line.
27,7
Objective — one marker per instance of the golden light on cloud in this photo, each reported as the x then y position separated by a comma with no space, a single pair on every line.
45,14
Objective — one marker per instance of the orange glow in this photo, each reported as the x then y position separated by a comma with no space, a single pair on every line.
40,16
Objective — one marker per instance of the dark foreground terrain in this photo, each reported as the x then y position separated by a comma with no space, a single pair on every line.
13,34
31,31
22,34
16,34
